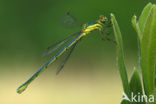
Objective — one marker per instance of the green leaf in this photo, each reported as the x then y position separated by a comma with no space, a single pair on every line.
137,29
144,15
139,25
120,56
136,26
153,94
148,52
135,85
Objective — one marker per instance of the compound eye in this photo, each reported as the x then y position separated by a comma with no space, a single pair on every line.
103,19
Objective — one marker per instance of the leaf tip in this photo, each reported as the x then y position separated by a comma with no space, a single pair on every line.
134,20
112,15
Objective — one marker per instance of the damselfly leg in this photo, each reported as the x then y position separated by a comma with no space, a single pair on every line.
106,31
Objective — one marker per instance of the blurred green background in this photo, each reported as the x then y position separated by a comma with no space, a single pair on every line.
28,27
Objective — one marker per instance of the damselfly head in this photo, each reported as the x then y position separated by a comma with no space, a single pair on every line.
102,19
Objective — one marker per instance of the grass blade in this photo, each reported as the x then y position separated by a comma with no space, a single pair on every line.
154,93
148,52
120,57
139,25
144,15
136,86
136,26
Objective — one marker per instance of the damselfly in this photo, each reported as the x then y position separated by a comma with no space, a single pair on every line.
99,25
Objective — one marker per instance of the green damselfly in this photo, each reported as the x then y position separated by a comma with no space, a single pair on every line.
99,25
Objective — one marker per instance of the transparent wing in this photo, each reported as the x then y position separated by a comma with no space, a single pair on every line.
56,46
69,21
66,58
